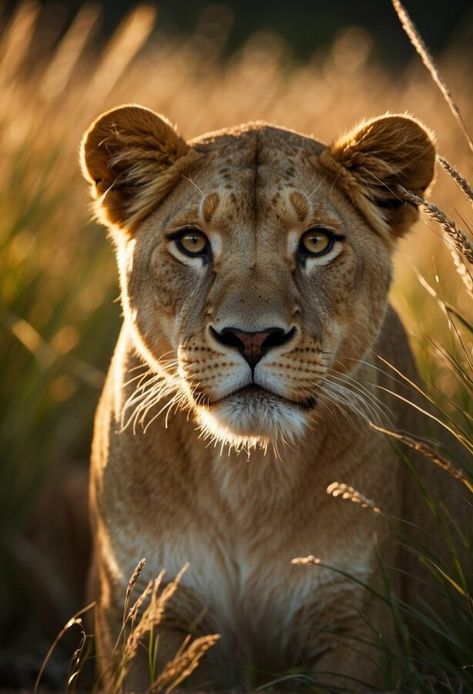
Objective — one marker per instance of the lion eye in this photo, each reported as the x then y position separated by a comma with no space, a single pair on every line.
192,242
317,241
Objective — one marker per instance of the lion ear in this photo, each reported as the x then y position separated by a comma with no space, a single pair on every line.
132,157
374,160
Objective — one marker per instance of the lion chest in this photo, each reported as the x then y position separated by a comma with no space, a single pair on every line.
250,593
238,547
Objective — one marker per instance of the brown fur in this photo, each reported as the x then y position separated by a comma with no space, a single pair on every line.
239,513
132,159
372,160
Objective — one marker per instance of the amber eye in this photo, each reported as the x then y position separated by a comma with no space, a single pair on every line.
317,241
192,242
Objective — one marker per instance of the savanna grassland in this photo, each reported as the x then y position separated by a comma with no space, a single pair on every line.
59,314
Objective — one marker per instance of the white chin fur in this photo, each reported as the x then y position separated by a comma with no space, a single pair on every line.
243,421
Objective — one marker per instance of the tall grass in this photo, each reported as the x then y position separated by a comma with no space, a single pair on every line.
142,617
440,657
58,318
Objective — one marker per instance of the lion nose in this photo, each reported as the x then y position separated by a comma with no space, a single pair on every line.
253,345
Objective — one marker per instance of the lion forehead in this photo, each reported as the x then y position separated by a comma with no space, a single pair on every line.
250,174
233,155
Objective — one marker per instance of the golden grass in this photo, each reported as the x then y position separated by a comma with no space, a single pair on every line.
137,633
429,62
459,179
348,493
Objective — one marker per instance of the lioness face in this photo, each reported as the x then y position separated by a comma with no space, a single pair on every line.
253,274
257,277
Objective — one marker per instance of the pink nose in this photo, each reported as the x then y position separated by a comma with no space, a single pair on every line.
253,345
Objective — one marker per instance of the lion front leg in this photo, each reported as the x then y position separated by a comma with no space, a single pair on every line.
349,643
350,666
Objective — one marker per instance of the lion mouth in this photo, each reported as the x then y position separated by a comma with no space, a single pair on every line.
256,392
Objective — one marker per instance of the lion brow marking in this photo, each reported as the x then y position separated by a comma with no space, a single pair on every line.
208,206
300,205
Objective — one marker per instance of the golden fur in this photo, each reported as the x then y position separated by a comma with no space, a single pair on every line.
241,510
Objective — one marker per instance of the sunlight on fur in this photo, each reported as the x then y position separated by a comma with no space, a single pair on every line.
231,423
281,424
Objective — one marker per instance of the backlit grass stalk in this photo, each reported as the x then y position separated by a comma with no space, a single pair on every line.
460,247
459,179
429,453
422,50
74,621
139,634
183,664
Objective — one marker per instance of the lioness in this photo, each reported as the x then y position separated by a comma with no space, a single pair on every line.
255,265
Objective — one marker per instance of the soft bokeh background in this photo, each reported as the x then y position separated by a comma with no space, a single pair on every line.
314,67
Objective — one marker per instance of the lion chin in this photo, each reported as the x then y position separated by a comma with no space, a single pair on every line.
252,418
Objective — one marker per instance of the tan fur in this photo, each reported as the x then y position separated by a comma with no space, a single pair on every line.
239,512
370,162
300,204
132,158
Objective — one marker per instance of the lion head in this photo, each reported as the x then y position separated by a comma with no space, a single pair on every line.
255,262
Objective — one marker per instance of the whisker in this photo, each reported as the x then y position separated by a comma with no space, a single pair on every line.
176,396
341,395
363,394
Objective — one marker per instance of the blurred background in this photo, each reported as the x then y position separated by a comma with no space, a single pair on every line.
317,67
307,26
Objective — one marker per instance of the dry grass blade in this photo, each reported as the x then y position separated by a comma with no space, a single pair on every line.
445,424
75,620
444,306
422,50
138,604
430,454
350,494
77,662
183,664
461,248
186,659
460,180
309,560
458,237
462,270
150,618
132,582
